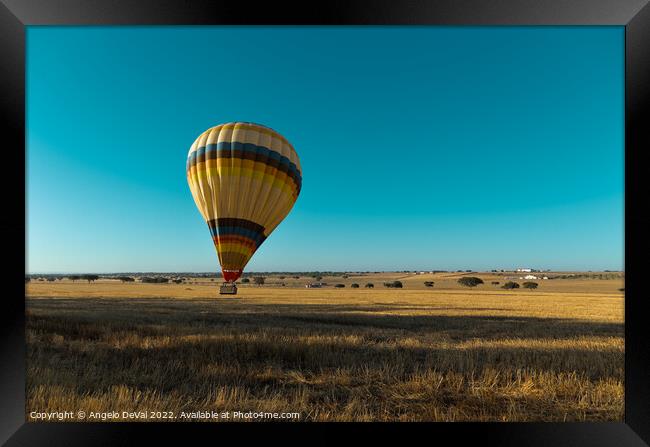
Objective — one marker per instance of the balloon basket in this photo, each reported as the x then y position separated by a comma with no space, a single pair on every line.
228,288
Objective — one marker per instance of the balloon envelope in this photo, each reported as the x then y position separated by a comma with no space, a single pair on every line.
244,178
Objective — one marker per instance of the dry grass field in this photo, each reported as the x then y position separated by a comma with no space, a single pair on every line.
445,353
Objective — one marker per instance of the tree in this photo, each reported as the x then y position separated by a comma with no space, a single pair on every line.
177,281
393,284
369,285
74,277
318,278
530,285
281,277
27,279
470,281
354,286
428,283
510,285
339,286
125,279
90,278
495,283
245,280
147,279
259,280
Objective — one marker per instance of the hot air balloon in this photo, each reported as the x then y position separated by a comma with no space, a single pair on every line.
244,178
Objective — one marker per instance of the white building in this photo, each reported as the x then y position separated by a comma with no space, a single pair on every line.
530,277
524,270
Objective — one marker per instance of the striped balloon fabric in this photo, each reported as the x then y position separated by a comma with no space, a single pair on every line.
244,178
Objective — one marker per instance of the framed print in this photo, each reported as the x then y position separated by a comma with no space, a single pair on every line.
421,216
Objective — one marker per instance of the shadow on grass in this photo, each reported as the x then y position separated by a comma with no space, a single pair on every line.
88,347
194,366
197,317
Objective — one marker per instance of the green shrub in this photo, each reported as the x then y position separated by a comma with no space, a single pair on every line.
470,281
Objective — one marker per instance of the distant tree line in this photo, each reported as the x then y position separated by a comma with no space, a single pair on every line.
89,278
607,275
154,280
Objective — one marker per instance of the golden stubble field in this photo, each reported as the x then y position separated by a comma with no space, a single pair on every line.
412,354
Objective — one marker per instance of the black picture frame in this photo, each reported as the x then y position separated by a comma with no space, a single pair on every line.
634,15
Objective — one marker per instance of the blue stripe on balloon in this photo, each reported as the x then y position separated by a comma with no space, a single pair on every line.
256,237
260,152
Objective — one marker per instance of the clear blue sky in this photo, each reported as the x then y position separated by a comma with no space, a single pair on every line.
421,148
